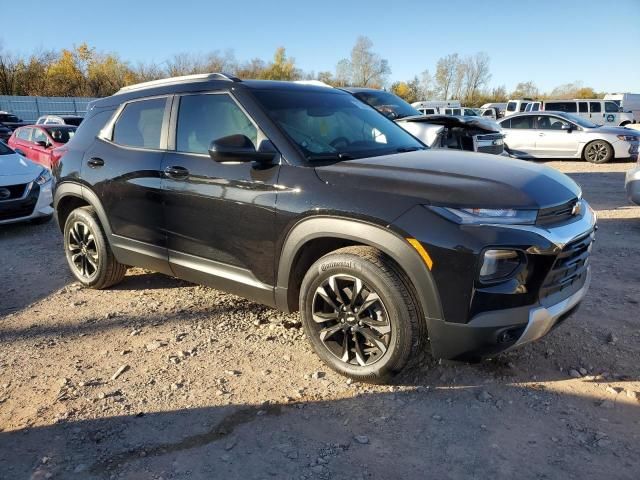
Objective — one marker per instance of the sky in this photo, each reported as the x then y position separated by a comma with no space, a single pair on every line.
548,42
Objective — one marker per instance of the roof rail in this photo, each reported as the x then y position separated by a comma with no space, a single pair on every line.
183,79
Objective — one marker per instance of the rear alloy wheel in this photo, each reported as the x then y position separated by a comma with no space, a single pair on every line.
598,151
87,250
359,313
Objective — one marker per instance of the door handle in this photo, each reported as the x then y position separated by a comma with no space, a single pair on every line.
541,134
95,162
176,172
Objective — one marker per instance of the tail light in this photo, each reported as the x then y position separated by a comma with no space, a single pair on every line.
57,154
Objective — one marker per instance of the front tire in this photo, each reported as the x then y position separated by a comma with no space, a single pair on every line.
359,314
598,151
88,253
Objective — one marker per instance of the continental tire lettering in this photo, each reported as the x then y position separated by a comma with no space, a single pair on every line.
326,266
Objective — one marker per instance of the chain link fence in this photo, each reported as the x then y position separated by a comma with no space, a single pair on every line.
30,108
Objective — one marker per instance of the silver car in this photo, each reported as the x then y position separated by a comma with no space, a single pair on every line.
563,135
632,184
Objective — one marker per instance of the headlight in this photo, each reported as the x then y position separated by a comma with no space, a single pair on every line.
480,216
44,177
629,138
499,264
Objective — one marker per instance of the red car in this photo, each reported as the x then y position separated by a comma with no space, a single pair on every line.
38,142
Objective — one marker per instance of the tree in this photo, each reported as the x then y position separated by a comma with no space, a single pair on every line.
364,68
282,67
476,75
446,70
525,89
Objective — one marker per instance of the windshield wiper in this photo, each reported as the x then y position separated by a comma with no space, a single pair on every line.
408,149
331,156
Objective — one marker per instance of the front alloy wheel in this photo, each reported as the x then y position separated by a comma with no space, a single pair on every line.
351,321
359,313
598,151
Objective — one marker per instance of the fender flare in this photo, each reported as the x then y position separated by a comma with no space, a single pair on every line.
364,233
71,189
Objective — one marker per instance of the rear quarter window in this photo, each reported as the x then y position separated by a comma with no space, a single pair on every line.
511,107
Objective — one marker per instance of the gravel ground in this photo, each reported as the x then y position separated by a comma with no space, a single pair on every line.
161,379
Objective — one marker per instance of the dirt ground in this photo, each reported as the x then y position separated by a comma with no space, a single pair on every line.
161,379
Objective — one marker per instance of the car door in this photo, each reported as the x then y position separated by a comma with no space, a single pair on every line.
520,135
595,112
122,167
611,113
556,137
40,147
219,217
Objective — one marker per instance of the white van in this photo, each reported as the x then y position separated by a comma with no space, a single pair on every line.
432,107
599,111
630,102
516,106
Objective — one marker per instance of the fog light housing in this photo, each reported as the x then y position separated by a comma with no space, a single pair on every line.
499,265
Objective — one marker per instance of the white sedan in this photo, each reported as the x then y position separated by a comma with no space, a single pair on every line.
563,135
25,189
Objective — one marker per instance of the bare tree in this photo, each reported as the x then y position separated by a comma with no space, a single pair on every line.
365,68
446,70
476,74
525,89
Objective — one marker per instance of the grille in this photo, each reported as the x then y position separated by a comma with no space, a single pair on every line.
485,143
556,214
15,191
569,271
10,210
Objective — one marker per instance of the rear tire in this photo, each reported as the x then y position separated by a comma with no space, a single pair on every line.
360,315
88,252
598,151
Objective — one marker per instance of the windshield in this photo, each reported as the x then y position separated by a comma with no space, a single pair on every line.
387,103
4,150
61,135
334,126
579,120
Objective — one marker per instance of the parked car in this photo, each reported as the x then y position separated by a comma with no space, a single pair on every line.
629,102
491,112
5,132
632,184
464,111
498,106
600,112
11,121
436,131
516,106
74,120
433,107
25,189
40,143
563,135
303,198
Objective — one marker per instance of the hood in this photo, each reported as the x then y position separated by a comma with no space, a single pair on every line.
616,130
451,121
456,179
14,165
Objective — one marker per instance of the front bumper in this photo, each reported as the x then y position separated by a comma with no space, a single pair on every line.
626,150
505,326
28,207
632,185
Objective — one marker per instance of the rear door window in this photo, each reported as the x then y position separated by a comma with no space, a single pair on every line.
595,107
583,107
511,107
140,124
523,122
24,134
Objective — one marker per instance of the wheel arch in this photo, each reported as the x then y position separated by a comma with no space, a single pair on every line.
584,147
329,232
69,196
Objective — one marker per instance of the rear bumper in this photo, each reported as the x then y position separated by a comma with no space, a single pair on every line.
632,185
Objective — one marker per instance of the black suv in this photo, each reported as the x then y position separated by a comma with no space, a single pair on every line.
304,198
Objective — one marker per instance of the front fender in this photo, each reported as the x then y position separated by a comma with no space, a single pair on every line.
364,233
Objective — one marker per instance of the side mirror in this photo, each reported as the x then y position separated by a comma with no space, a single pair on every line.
567,127
238,148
